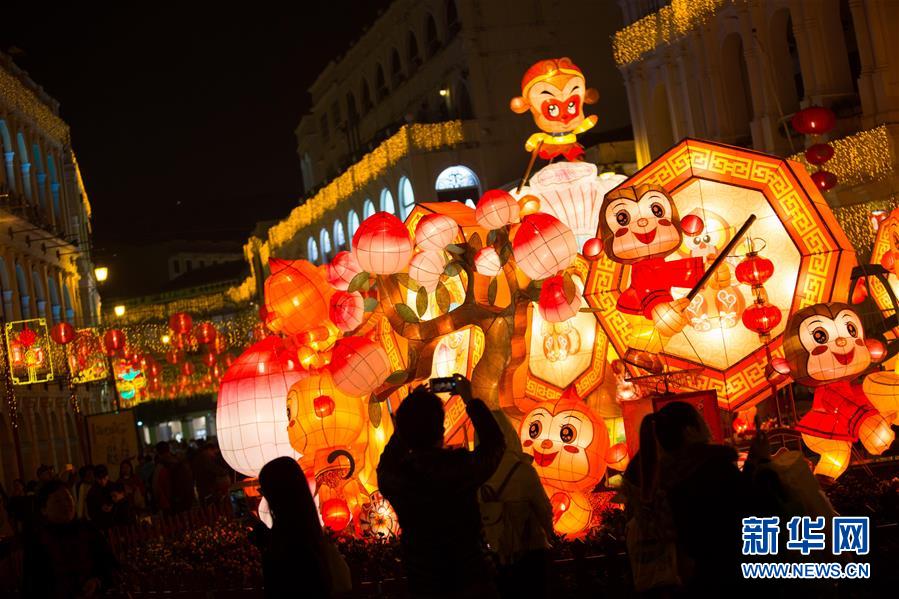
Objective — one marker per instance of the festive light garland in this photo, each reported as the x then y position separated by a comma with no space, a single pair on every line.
860,158
855,221
29,104
665,26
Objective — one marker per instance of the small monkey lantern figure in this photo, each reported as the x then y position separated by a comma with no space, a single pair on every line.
825,348
555,91
640,226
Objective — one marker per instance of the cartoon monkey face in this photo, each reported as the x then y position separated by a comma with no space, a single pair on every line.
637,223
555,91
826,343
712,239
568,443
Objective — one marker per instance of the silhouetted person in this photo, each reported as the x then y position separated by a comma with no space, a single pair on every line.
293,552
122,513
99,499
209,474
65,557
82,488
434,492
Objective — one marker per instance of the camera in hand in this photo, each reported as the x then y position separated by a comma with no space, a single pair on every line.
446,384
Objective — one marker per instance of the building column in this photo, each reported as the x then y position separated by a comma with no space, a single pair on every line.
676,96
635,84
26,179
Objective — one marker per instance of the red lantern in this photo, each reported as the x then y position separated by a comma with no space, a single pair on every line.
761,318
206,333
341,270
180,323
114,340
818,154
814,120
593,248
543,246
692,224
323,406
209,359
154,385
187,369
173,356
359,366
825,180
153,369
754,270
347,310
382,244
496,208
335,514
740,425
62,333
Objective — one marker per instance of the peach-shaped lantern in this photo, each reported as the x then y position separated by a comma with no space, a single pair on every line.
574,513
496,208
297,295
342,269
617,457
426,268
382,245
321,417
553,305
434,232
347,310
543,246
359,366
335,514
250,416
487,262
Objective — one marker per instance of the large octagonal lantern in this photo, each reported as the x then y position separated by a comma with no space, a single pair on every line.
723,185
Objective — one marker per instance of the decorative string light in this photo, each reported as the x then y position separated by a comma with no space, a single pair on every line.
28,103
859,158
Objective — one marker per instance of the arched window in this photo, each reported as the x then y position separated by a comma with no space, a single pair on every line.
6,142
462,101
387,204
311,250
69,306
366,97
380,84
351,112
452,17
396,69
54,185
407,198
736,85
352,223
661,132
39,297
55,306
324,240
368,209
412,51
24,293
306,172
24,164
339,236
432,41
457,183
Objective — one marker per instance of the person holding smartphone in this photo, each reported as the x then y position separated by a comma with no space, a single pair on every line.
434,492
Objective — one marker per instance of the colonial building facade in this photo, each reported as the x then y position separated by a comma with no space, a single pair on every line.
45,266
738,70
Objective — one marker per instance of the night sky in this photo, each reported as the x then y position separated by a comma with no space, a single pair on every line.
183,122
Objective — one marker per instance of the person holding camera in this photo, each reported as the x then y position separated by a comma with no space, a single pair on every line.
434,491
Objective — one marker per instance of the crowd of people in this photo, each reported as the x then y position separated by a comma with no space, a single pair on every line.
59,518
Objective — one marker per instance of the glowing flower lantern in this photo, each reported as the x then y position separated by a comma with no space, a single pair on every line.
346,310
113,340
297,295
359,366
377,517
206,333
554,306
814,120
487,262
382,245
180,323
496,208
426,268
434,232
62,333
543,246
250,416
322,418
342,269
336,514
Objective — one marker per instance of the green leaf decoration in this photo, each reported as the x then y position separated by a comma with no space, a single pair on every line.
442,295
397,377
475,242
491,237
569,288
406,313
406,281
505,253
370,304
358,282
421,301
452,268
455,248
374,412
491,291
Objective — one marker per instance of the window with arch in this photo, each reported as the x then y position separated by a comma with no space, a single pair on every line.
457,183
380,84
339,236
55,307
54,185
366,97
24,293
39,298
312,250
432,40
352,224
412,51
24,165
396,69
368,209
324,244
69,306
387,204
351,112
407,197
452,17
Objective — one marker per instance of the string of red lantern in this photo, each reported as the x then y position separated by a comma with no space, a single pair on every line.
816,121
